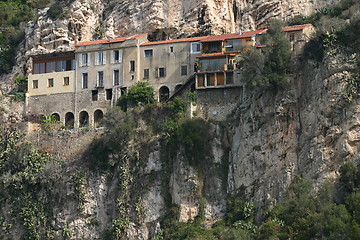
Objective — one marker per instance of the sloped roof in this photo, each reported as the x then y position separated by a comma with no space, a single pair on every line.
113,40
248,34
193,39
296,27
223,37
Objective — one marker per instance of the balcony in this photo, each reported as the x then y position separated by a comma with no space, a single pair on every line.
216,80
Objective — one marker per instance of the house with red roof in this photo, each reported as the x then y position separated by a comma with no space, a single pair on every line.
217,62
77,87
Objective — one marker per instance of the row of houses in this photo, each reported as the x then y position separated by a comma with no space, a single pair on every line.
78,86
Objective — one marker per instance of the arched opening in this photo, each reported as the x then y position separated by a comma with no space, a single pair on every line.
69,120
178,87
164,93
98,116
55,116
83,119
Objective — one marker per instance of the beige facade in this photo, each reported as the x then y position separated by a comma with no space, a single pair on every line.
167,65
78,87
51,83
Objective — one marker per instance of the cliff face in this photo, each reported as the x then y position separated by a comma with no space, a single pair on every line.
308,130
84,20
87,20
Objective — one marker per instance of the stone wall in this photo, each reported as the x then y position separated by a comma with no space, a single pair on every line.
60,103
67,144
218,103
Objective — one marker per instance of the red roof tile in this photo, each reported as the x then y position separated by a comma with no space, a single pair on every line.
193,39
296,27
113,40
223,37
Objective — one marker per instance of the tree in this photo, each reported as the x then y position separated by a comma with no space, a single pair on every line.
278,55
141,92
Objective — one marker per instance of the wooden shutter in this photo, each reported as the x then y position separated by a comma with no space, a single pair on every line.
96,58
112,56
120,55
104,57
80,60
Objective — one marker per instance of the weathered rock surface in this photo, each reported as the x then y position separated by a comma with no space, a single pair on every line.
91,19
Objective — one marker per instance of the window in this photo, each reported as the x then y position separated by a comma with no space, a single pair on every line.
116,77
108,94
94,95
171,49
184,70
208,81
35,84
116,56
85,80
195,47
148,53
229,78
132,66
36,68
162,72
60,66
100,79
50,67
146,73
100,58
50,82
41,67
66,81
229,45
84,59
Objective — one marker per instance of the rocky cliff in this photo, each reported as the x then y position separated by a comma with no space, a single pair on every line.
134,174
78,20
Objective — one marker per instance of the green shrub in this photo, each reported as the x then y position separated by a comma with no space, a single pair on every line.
178,105
141,92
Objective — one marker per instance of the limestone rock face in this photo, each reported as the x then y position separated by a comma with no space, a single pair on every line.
310,130
86,20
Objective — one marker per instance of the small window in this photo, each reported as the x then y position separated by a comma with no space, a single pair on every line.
162,72
94,95
66,81
35,84
50,82
132,66
123,90
148,53
100,79
184,70
116,56
116,77
248,40
171,49
146,73
85,80
108,94
195,47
